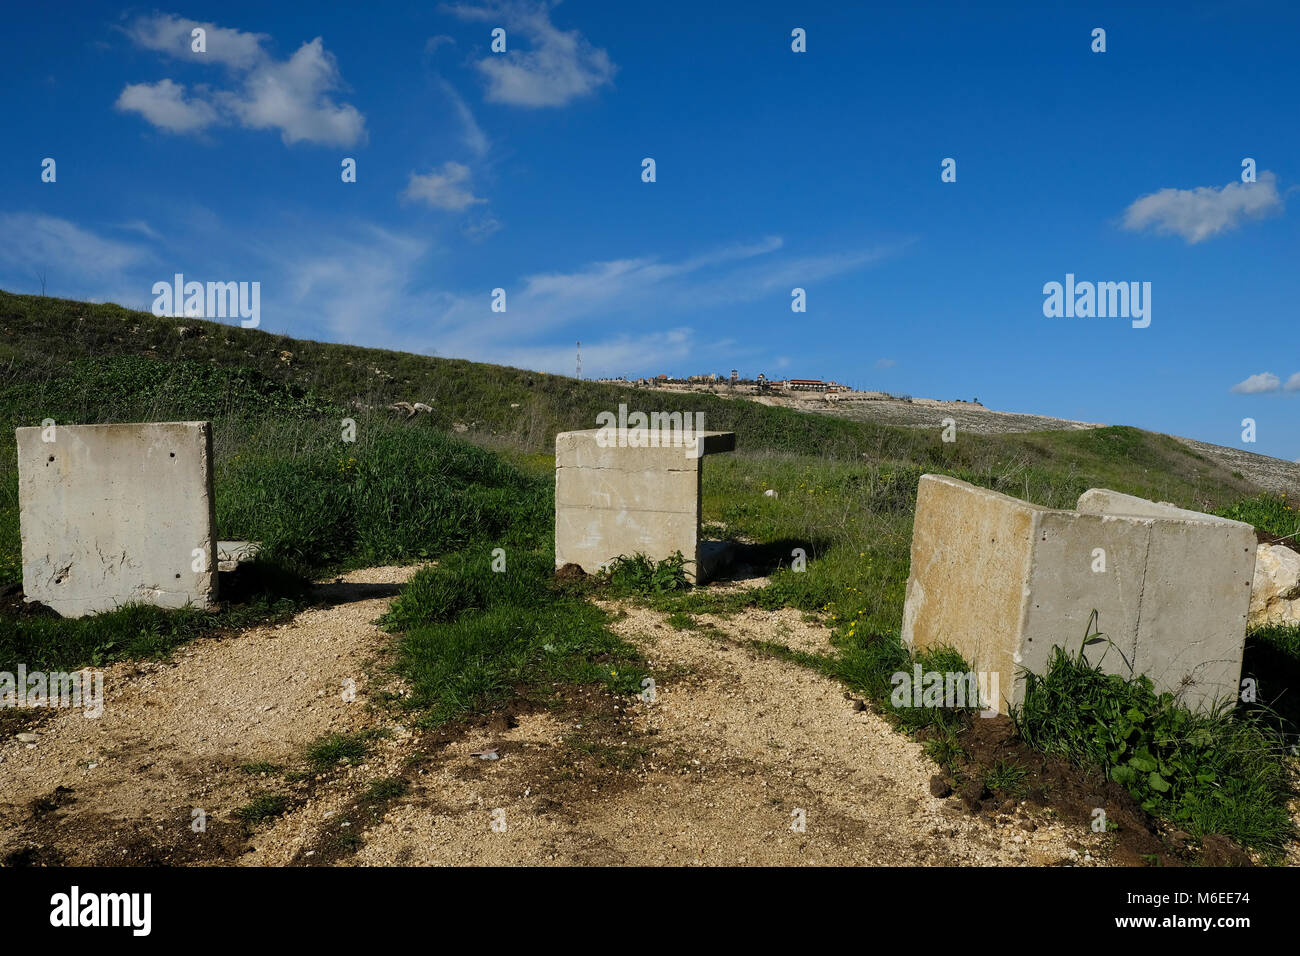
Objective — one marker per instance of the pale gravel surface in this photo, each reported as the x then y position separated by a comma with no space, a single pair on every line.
739,742
734,744
173,734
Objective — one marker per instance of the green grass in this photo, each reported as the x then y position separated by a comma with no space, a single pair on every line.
398,493
472,638
129,633
266,806
385,790
1219,772
1270,512
1007,779
638,574
331,750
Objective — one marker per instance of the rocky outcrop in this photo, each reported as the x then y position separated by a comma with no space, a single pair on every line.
1275,592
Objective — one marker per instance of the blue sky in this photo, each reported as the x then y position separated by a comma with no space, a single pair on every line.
774,170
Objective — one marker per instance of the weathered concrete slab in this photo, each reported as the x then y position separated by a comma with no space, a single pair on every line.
612,501
115,514
1004,581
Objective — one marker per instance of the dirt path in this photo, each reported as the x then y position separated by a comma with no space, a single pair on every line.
742,758
124,787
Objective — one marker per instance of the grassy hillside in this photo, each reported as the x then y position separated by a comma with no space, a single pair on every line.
84,363
428,488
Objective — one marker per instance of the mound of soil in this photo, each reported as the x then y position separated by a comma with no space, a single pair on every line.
1074,795
12,603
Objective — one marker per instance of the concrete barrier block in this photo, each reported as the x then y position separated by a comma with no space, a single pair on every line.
1195,596
612,500
1003,581
116,514
666,490
971,559
592,537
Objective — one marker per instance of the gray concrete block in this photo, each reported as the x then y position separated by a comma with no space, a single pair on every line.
1004,581
117,514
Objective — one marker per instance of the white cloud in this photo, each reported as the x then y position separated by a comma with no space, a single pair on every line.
370,285
1263,382
1292,383
559,66
885,363
292,96
1197,214
165,105
444,188
172,35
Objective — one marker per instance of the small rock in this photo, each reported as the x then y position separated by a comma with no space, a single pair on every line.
26,738
972,793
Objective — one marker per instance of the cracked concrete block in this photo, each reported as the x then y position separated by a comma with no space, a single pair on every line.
612,501
117,514
1004,581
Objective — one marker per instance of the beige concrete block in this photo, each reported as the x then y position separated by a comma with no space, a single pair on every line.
969,576
612,500
113,514
592,537
591,449
666,490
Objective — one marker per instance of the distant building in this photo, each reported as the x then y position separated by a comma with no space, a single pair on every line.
807,385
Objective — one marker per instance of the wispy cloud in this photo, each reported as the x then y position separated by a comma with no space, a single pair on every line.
559,66
474,137
75,261
291,96
370,285
1197,214
30,240
541,304
360,288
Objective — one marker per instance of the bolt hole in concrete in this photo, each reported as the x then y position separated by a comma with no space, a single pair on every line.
51,458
